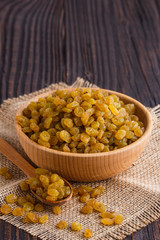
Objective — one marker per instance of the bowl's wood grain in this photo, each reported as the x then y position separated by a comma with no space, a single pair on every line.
87,167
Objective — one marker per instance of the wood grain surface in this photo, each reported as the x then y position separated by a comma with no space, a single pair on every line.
114,44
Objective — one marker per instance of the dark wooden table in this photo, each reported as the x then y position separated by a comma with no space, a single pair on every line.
112,43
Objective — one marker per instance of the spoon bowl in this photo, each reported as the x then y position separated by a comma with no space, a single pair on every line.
59,202
10,153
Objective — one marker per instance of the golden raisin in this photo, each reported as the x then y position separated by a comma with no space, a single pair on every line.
118,219
62,224
18,211
138,132
21,201
44,136
108,214
88,233
75,192
43,219
3,170
87,209
24,186
53,192
91,202
33,217
39,207
113,109
85,197
120,134
51,198
25,219
11,198
30,198
5,209
76,226
65,136
41,171
44,180
97,191
54,177
28,206
85,137
84,189
98,206
57,210
107,221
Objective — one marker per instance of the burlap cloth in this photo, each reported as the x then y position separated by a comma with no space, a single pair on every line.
135,193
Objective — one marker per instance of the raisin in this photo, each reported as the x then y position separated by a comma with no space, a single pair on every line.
11,198
28,206
43,219
24,186
118,219
85,197
76,226
21,201
87,209
30,198
97,191
39,207
85,138
98,206
18,211
57,210
84,189
108,214
44,136
62,224
65,136
120,134
53,192
88,233
33,217
3,170
5,209
107,221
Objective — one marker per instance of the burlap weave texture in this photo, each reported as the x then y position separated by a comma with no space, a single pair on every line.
135,193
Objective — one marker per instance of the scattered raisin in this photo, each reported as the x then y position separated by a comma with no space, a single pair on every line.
62,224
57,210
43,219
11,198
5,209
76,226
88,233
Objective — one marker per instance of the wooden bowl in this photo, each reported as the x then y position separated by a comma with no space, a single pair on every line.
82,166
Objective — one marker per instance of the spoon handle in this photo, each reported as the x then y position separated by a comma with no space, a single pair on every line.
9,152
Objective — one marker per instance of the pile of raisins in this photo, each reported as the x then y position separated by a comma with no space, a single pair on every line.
81,121
48,185
25,205
87,195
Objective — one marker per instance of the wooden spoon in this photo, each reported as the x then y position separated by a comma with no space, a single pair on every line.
10,153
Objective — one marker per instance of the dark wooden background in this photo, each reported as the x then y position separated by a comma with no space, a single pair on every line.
112,43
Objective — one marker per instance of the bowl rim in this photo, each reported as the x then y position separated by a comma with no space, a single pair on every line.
90,155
